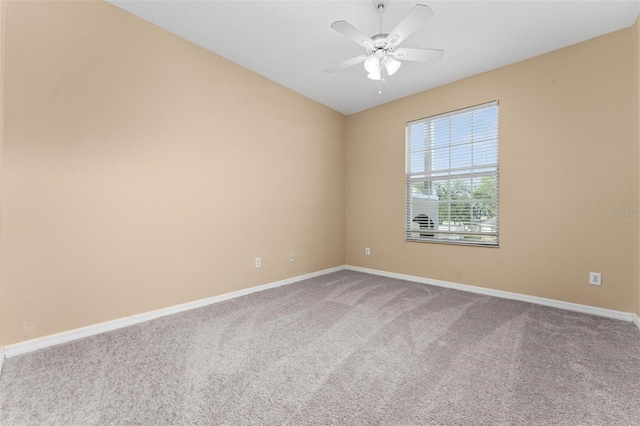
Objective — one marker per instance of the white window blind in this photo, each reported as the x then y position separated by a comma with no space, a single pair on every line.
452,177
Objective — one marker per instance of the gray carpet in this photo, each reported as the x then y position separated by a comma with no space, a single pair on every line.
345,348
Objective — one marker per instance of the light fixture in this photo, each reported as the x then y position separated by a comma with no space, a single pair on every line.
374,64
371,64
373,67
375,74
391,65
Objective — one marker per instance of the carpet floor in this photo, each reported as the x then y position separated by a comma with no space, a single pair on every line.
344,348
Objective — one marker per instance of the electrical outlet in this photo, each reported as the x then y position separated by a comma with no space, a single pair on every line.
595,278
291,257
258,262
367,251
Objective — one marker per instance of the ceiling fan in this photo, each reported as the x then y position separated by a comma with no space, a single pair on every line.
382,53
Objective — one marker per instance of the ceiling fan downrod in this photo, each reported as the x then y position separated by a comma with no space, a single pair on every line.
380,7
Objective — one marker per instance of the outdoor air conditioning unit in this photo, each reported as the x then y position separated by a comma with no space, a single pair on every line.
424,215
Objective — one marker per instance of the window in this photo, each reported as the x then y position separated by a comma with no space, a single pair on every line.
452,177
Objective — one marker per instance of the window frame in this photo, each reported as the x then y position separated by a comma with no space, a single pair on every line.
428,233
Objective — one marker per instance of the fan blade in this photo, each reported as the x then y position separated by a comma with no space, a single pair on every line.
349,31
418,16
346,64
418,55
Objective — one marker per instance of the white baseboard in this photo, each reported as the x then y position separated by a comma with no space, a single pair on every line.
79,333
92,330
609,313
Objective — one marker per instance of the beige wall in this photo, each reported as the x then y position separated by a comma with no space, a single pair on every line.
2,299
566,158
636,33
142,172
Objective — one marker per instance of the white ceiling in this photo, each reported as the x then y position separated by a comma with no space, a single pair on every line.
291,42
